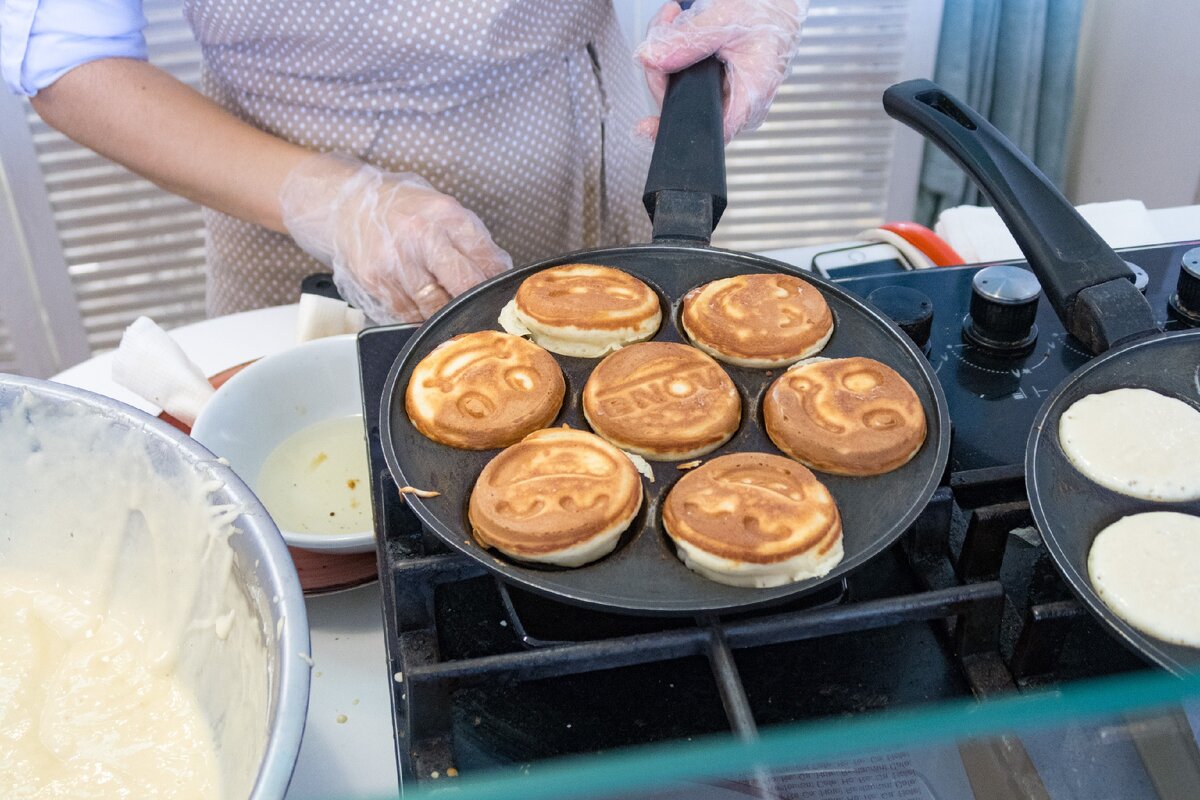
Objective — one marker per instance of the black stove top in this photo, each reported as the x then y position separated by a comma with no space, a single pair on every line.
967,604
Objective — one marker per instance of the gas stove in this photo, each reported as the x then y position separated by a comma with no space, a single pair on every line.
490,677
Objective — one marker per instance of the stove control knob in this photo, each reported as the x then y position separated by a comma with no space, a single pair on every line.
911,310
1004,302
1186,300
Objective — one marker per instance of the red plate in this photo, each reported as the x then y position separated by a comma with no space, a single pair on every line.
320,573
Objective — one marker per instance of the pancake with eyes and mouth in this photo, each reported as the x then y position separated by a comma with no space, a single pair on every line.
558,496
760,320
846,416
663,401
483,390
583,310
754,519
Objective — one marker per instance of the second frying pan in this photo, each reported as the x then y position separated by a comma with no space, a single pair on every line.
1092,291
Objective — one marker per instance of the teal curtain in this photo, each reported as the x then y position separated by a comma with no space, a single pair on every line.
1014,62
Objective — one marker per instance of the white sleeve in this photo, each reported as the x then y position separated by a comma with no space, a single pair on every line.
41,40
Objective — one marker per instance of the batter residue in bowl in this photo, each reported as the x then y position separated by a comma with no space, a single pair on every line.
315,481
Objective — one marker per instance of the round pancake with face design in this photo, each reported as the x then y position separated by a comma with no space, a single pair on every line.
760,320
583,310
483,390
847,416
662,400
559,496
754,519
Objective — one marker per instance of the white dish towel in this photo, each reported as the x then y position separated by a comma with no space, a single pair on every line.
980,236
150,364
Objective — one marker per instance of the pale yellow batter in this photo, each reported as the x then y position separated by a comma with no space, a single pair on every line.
1136,442
1146,568
86,708
132,662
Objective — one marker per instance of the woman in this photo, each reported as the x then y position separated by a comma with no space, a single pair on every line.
463,131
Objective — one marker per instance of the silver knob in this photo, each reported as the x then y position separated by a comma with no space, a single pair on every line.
1004,301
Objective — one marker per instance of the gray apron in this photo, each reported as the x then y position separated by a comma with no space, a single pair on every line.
522,110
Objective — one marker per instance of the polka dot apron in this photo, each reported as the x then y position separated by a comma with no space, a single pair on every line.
522,110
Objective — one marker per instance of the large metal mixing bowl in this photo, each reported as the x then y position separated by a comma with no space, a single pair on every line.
262,567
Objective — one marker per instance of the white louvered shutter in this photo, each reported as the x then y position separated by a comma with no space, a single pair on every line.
130,247
818,168
8,356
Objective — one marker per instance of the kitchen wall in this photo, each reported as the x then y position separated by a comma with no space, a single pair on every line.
1136,132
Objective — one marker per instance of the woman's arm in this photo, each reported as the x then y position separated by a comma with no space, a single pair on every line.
399,249
142,118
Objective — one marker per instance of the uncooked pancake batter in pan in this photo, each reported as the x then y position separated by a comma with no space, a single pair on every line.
1136,442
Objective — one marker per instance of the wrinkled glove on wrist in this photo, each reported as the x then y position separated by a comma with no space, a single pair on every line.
756,40
399,249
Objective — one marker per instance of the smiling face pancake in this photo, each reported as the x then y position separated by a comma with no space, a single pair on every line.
847,416
583,310
558,496
483,390
754,519
662,400
760,320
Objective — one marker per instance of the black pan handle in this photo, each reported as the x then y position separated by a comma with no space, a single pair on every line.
685,188
1089,285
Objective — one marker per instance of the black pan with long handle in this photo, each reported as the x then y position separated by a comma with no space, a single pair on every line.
1092,291
685,194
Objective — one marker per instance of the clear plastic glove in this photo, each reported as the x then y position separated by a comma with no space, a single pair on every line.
399,248
756,39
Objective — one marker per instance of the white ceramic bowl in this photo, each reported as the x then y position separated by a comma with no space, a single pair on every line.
268,401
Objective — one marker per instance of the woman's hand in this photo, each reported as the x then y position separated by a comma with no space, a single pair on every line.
399,248
756,39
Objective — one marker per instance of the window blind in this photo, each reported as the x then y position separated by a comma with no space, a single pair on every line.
817,170
8,356
130,247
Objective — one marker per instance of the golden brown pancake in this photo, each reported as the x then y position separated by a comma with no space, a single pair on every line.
761,320
558,496
754,519
848,416
662,400
483,390
583,310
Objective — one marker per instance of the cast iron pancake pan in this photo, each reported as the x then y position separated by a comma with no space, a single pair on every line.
1071,510
644,575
